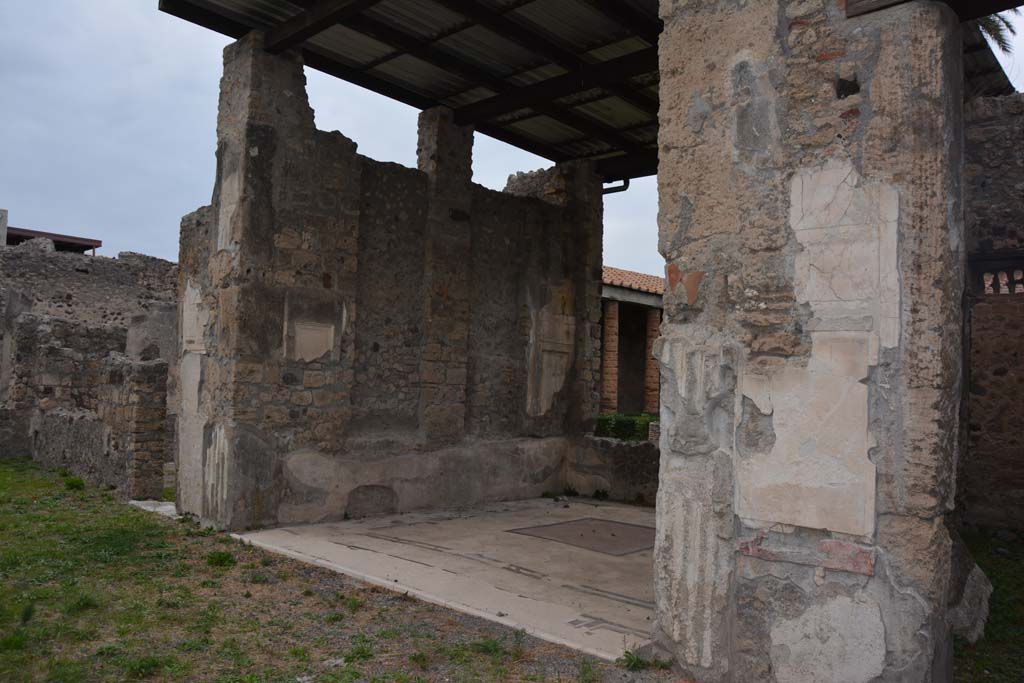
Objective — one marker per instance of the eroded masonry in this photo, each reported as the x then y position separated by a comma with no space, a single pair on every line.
354,337
86,349
359,337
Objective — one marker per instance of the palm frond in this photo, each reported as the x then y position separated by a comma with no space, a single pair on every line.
999,29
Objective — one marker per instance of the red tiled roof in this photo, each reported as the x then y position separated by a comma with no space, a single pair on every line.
630,279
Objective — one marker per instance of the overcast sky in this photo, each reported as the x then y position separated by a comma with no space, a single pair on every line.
107,128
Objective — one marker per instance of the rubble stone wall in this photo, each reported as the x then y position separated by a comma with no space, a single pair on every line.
359,337
120,441
992,472
64,319
812,224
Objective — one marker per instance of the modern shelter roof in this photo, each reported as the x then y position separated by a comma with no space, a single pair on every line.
564,79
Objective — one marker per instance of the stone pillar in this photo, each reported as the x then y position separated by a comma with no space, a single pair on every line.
610,357
445,154
267,301
652,374
3,227
811,221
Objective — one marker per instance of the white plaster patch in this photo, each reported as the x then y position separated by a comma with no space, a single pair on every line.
818,474
550,351
215,473
312,340
311,468
191,425
194,318
230,194
840,640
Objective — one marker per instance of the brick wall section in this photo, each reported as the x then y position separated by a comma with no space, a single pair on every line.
993,475
610,357
652,374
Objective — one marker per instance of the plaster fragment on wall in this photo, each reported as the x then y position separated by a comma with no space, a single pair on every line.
194,318
550,351
842,639
191,425
818,474
230,194
312,340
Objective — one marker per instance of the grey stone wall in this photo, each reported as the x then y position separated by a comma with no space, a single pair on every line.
626,471
119,442
62,316
994,174
350,326
812,224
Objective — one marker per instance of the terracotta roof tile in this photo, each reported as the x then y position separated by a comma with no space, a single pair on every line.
630,279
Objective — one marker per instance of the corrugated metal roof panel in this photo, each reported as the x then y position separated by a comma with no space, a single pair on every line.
350,46
573,23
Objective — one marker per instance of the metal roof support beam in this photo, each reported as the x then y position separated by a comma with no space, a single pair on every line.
316,19
586,78
413,45
647,28
636,165
517,33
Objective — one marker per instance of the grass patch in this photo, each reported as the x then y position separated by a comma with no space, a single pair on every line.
92,590
221,558
999,656
74,484
634,661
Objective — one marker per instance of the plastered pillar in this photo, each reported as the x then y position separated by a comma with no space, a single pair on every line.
811,221
445,154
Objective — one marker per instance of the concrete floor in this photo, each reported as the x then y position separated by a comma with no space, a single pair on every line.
482,562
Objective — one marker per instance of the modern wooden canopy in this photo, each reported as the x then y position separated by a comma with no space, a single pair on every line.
564,79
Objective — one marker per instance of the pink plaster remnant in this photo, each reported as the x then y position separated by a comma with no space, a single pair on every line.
689,281
829,554
847,556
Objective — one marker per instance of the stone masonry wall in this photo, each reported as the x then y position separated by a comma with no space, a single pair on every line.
812,224
62,315
359,337
120,441
992,473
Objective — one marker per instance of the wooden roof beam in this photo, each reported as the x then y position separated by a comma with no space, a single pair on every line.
315,19
587,77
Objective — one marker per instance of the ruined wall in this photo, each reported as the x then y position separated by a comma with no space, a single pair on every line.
359,337
61,316
119,441
811,220
50,363
93,289
992,473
